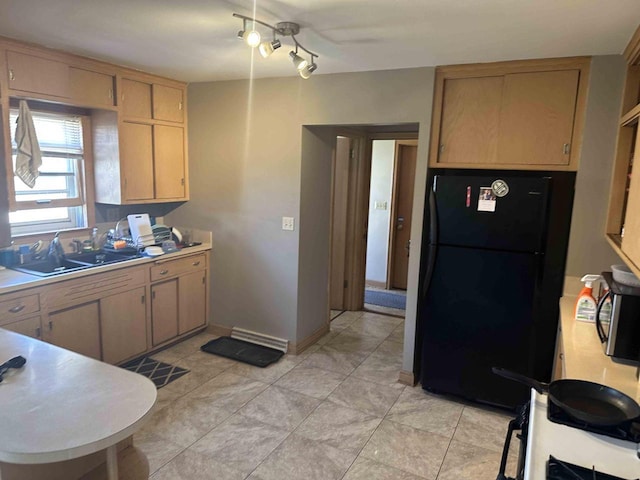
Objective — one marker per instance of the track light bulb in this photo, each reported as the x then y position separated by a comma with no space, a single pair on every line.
267,48
299,62
308,70
252,38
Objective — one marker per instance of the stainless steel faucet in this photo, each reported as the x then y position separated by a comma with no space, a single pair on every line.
56,252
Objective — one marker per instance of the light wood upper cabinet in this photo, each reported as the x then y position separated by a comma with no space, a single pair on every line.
470,120
123,325
30,73
168,103
537,112
91,88
514,115
169,163
623,220
136,160
135,98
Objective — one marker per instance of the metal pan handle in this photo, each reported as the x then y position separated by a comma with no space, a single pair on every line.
539,387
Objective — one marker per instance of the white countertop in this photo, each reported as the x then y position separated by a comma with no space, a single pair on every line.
11,280
584,357
608,455
62,405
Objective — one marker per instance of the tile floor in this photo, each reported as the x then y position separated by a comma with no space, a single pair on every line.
334,412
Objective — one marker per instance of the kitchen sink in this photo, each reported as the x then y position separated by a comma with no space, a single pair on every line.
99,258
72,263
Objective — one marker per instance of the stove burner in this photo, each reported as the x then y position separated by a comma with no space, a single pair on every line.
629,431
559,470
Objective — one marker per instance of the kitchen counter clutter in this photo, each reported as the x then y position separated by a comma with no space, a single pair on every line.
583,358
76,405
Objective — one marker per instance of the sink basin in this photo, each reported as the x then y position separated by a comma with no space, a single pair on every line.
73,262
99,258
45,268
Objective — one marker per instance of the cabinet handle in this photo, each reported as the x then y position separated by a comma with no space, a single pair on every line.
561,356
566,148
182,181
11,75
122,98
180,106
50,325
153,295
441,149
37,332
164,272
142,299
111,94
195,264
16,309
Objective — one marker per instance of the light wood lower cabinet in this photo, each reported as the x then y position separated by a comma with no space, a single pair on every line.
28,326
123,325
77,329
164,311
192,293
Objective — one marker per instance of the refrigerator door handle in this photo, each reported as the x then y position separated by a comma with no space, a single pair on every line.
433,247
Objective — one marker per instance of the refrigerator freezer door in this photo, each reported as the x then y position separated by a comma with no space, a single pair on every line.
471,215
478,314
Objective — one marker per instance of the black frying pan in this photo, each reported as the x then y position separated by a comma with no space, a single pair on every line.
587,402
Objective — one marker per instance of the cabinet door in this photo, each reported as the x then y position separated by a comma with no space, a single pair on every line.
123,325
192,294
135,98
28,326
536,124
168,148
470,120
38,75
136,158
168,103
630,241
76,329
164,311
91,88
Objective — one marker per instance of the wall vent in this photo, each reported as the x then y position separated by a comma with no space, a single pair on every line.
260,339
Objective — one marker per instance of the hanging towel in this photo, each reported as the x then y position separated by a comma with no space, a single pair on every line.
29,158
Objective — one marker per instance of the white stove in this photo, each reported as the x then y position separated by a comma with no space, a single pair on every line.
569,444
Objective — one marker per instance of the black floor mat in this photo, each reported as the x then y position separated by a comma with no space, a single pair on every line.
242,351
158,372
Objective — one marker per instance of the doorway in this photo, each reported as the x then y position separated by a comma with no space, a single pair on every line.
393,163
371,217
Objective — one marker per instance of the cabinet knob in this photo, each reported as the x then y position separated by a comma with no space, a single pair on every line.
11,74
16,309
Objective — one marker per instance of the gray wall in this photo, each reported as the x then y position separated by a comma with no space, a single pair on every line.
252,161
589,252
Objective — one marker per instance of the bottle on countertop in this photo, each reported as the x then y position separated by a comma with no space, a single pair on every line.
94,239
586,305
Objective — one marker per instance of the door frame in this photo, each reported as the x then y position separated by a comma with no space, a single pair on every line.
358,209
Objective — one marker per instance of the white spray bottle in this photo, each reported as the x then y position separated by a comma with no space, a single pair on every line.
586,305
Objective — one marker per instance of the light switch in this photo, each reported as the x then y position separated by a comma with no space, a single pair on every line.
380,205
287,223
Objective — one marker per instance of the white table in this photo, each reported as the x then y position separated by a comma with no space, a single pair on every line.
62,405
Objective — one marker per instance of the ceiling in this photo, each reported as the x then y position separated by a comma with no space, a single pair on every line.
195,40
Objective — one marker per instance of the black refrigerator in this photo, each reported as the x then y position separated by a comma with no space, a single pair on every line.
491,276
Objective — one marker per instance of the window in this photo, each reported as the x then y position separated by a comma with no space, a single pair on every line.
58,199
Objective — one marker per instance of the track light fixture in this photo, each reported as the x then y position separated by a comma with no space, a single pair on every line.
284,29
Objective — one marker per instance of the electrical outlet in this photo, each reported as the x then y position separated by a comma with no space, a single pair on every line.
380,205
287,223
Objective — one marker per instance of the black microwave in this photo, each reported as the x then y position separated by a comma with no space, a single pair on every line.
620,333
